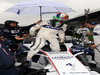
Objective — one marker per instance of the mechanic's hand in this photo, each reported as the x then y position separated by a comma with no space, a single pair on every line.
19,38
93,46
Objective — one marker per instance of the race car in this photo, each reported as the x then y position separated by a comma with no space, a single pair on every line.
64,62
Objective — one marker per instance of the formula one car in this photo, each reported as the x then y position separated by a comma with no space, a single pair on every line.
64,62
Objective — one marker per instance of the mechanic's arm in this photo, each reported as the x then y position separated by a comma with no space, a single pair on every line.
19,38
29,26
95,45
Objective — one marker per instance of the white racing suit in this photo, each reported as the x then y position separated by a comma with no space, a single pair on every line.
47,32
84,32
96,37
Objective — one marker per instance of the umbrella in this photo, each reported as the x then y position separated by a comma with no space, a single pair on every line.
39,7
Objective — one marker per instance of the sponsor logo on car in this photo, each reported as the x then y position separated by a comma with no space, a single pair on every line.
69,64
75,73
57,52
62,57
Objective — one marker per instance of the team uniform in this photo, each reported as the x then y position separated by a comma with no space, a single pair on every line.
11,32
96,37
